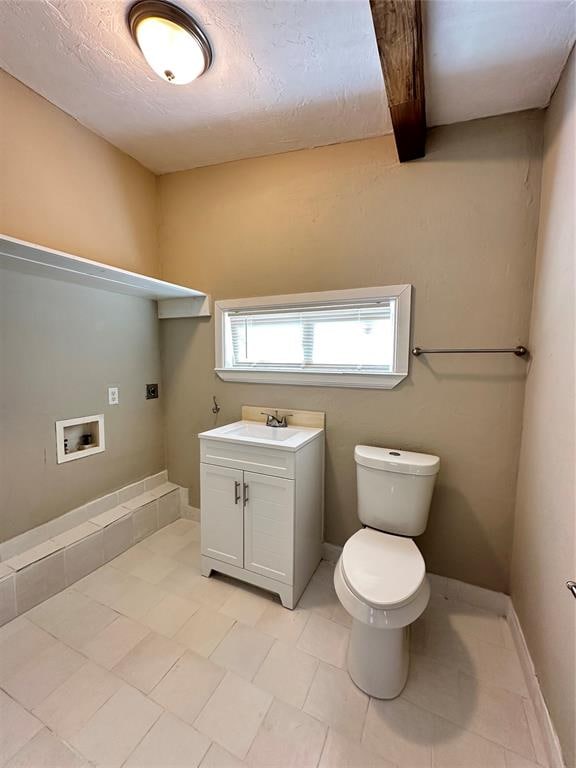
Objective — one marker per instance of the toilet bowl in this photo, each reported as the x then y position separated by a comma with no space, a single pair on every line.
380,577
381,582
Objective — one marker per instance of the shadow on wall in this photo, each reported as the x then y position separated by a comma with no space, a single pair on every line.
432,365
451,511
466,141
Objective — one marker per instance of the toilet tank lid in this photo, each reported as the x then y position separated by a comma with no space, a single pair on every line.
395,460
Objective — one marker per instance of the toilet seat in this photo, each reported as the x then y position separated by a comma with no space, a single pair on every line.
382,570
380,579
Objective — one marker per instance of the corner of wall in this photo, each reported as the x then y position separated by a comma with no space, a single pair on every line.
83,195
543,552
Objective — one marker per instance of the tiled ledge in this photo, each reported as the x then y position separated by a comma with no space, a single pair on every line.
65,522
33,575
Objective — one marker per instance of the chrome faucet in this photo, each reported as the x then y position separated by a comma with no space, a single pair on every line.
273,420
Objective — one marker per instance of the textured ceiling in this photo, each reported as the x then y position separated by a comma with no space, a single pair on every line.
489,57
287,74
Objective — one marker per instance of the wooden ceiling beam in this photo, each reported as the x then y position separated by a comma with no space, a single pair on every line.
398,27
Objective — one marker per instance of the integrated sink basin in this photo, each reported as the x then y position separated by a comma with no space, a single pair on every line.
253,433
259,431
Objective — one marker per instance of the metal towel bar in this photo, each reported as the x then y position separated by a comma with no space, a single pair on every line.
519,351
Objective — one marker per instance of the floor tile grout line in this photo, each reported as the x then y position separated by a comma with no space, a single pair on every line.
35,658
211,695
69,645
530,734
526,702
226,673
326,734
470,672
224,636
474,733
65,740
147,693
314,676
308,613
87,660
484,641
96,710
56,735
272,700
101,602
269,651
175,715
365,721
463,728
210,742
186,722
143,736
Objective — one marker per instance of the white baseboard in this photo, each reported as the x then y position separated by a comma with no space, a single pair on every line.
330,552
488,599
548,732
190,513
186,510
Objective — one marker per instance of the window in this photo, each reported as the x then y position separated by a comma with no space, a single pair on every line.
355,338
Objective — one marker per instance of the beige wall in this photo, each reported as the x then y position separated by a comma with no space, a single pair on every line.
460,226
544,548
64,187
61,346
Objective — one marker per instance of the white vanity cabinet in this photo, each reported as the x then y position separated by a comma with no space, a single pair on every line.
262,510
222,517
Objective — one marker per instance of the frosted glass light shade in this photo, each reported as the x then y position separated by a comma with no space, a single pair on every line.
170,40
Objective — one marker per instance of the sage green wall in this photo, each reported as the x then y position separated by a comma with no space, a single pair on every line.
460,225
61,346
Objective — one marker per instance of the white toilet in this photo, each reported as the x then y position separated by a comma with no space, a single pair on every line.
380,577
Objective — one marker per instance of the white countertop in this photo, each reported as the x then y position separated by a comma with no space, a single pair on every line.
289,438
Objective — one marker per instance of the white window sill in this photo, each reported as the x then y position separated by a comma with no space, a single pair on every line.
309,379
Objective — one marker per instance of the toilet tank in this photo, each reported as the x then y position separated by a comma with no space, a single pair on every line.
394,488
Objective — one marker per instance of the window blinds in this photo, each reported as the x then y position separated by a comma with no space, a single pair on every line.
352,337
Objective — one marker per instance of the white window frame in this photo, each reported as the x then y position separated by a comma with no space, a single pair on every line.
402,294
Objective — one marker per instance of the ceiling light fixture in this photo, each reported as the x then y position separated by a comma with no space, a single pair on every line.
170,40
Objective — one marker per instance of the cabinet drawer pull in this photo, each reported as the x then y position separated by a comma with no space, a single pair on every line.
236,491
245,494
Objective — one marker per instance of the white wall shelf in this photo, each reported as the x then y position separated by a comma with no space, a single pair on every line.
30,258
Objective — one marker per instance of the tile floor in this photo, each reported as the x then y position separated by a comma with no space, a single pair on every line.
146,663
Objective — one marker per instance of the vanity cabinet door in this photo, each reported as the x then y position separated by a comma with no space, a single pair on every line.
222,516
269,526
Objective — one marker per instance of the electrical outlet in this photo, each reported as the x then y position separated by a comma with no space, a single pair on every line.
113,396
151,391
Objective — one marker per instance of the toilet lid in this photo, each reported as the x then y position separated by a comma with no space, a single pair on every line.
381,569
